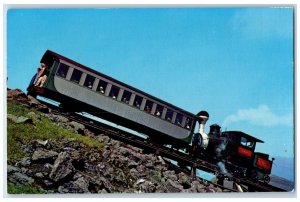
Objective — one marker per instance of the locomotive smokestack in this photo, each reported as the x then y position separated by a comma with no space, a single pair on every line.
202,118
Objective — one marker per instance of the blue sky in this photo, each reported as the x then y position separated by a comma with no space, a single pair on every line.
235,63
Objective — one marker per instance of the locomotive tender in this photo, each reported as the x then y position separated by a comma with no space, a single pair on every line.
80,88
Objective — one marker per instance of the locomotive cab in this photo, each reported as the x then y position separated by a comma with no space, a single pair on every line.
240,148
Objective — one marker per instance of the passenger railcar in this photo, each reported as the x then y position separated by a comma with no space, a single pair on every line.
81,88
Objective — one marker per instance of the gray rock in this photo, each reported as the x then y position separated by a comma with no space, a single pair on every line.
12,169
160,160
47,183
34,116
125,151
106,154
141,171
133,172
132,164
62,167
88,133
61,119
73,153
32,101
15,176
78,127
197,187
42,142
170,175
156,176
103,191
78,186
94,157
149,165
173,187
39,175
20,119
25,161
106,184
103,139
114,143
42,154
184,180
147,187
48,166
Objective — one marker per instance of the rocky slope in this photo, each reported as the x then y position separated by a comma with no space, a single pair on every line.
69,166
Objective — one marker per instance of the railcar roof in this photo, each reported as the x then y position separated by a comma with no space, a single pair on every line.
242,134
49,52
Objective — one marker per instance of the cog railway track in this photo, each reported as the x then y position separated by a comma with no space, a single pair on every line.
151,147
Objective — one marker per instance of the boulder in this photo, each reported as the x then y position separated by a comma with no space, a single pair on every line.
19,119
78,127
103,139
125,151
34,116
88,133
42,154
184,180
15,176
78,186
196,186
147,187
25,161
173,187
170,175
62,167
60,119
132,164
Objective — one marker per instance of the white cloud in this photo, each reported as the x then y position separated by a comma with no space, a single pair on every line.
261,116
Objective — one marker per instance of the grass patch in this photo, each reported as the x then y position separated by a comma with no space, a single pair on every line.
23,133
24,189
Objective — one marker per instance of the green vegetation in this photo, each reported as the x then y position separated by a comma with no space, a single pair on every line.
42,129
24,189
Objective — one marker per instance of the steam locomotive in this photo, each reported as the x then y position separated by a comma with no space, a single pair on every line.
80,88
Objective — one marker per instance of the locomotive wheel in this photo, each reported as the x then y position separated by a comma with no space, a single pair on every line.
253,175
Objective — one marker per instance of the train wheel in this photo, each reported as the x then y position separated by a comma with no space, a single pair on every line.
254,175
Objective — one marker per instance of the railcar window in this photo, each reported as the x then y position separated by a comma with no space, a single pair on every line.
169,115
188,123
102,86
159,110
148,106
114,91
246,143
76,76
137,101
178,119
62,70
126,96
89,81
